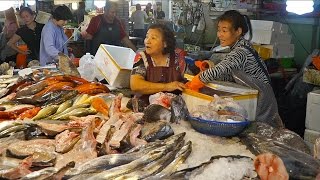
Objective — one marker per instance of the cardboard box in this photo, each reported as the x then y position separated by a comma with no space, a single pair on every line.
245,96
115,64
275,51
313,113
270,37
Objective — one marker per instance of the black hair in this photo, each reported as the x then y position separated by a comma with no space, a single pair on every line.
138,7
62,13
168,37
238,21
26,9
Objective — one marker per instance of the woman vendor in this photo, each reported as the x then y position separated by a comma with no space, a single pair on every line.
244,62
158,68
232,26
53,39
30,34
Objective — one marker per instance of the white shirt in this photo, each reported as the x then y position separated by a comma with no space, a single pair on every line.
138,18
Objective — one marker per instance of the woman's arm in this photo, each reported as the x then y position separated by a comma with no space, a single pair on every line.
12,43
140,85
223,70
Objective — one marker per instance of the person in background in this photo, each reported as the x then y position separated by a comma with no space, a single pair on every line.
138,17
149,10
243,65
107,29
159,14
7,54
80,12
158,68
232,26
53,39
30,33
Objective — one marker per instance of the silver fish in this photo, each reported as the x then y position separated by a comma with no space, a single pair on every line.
155,166
155,112
49,173
156,130
180,157
179,109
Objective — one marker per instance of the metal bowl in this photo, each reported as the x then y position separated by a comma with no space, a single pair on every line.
218,128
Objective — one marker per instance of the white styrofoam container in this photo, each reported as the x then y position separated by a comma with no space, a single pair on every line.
313,111
270,37
246,97
115,64
281,50
265,25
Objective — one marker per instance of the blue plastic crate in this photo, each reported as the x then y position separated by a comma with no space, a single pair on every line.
218,128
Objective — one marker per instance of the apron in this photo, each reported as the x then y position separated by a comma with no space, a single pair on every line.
107,34
160,74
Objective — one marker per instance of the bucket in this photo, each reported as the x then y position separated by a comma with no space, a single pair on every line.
21,61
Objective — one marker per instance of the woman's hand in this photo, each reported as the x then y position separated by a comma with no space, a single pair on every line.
175,85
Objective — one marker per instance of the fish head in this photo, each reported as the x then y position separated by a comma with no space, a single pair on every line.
179,109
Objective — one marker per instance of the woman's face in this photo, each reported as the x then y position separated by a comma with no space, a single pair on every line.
61,23
226,33
27,17
154,42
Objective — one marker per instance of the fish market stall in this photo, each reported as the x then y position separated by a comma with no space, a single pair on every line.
55,124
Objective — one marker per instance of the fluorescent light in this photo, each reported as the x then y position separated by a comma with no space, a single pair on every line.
99,4
299,6
31,2
74,6
6,5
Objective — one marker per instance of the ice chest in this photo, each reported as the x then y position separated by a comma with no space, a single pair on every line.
115,64
245,96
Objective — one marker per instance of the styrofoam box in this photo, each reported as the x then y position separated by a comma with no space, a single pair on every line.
310,137
245,96
281,50
115,64
270,37
265,25
313,111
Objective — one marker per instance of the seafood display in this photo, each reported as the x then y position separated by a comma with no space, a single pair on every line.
57,125
221,109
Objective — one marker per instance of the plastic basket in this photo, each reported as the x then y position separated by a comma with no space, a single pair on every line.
225,129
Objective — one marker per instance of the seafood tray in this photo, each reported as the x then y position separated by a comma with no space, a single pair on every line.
218,128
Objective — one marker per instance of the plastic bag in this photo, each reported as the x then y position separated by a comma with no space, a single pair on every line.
87,67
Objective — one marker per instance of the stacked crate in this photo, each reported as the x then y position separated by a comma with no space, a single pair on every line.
271,39
312,131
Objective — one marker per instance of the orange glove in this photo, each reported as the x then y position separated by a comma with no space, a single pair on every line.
195,84
202,65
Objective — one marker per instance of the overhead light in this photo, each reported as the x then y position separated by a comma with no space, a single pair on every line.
6,5
300,6
99,3
31,2
74,6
